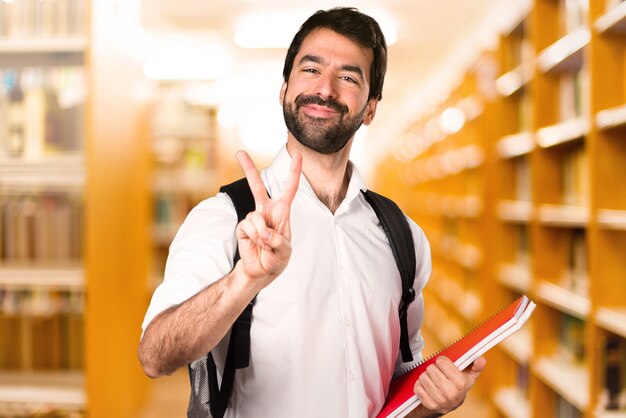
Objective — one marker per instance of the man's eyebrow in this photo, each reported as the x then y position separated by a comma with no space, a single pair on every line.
353,69
313,58
319,60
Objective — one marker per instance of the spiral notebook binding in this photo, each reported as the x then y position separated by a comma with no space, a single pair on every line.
430,357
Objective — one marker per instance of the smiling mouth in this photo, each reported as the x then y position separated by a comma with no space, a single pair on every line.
319,112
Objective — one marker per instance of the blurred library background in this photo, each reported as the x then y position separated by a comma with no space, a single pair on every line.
502,133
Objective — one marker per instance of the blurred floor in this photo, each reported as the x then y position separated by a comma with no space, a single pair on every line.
171,393
169,396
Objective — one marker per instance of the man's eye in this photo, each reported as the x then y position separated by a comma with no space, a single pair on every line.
349,79
310,70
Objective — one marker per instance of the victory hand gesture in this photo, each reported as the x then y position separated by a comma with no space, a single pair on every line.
264,236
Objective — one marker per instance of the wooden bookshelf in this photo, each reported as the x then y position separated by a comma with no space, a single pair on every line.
553,213
185,166
82,183
61,45
511,403
569,381
36,392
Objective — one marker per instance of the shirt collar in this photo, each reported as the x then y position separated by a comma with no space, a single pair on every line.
279,169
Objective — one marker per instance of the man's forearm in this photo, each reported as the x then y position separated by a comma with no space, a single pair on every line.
187,331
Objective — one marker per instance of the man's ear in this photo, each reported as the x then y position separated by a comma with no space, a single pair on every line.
283,89
370,111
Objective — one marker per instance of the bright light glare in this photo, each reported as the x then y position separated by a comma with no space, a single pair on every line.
358,145
262,130
265,30
387,24
182,58
452,120
276,29
227,116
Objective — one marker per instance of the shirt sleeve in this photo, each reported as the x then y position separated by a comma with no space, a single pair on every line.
415,314
201,253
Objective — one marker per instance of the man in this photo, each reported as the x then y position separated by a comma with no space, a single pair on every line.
325,329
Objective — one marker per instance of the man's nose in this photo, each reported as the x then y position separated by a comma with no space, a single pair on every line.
326,86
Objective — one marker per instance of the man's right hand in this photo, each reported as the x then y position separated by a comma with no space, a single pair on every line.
264,236
185,332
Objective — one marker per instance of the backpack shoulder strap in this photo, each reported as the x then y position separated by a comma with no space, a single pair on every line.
400,238
238,354
243,200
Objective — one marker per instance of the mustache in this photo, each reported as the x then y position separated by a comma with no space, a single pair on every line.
316,100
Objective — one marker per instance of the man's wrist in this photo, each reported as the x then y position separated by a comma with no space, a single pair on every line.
422,412
242,284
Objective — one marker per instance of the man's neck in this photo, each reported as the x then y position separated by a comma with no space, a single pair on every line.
328,175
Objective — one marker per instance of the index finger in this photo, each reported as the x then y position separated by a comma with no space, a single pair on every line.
293,178
254,179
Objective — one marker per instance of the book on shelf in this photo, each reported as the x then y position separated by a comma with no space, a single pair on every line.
522,256
520,50
573,14
524,112
576,276
522,378
574,167
613,367
401,398
523,182
572,339
573,95
564,409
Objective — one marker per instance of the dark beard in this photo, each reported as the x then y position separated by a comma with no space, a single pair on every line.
321,135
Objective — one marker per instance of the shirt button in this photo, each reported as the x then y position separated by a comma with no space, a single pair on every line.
348,322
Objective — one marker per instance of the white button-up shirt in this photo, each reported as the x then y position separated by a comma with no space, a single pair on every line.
325,333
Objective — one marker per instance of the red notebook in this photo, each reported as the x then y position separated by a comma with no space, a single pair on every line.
401,399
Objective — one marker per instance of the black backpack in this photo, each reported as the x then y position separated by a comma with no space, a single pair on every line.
207,398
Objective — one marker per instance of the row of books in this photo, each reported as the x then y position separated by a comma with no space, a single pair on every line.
574,177
42,343
170,210
573,94
43,228
521,51
572,339
523,188
22,411
576,276
175,114
41,110
24,19
564,409
573,14
522,256
574,167
40,302
524,111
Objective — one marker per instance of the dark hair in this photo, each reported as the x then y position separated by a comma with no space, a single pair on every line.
354,25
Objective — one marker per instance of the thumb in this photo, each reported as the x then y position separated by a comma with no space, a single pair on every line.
477,366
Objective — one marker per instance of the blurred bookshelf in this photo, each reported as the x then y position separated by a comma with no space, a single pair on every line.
59,189
552,202
184,154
